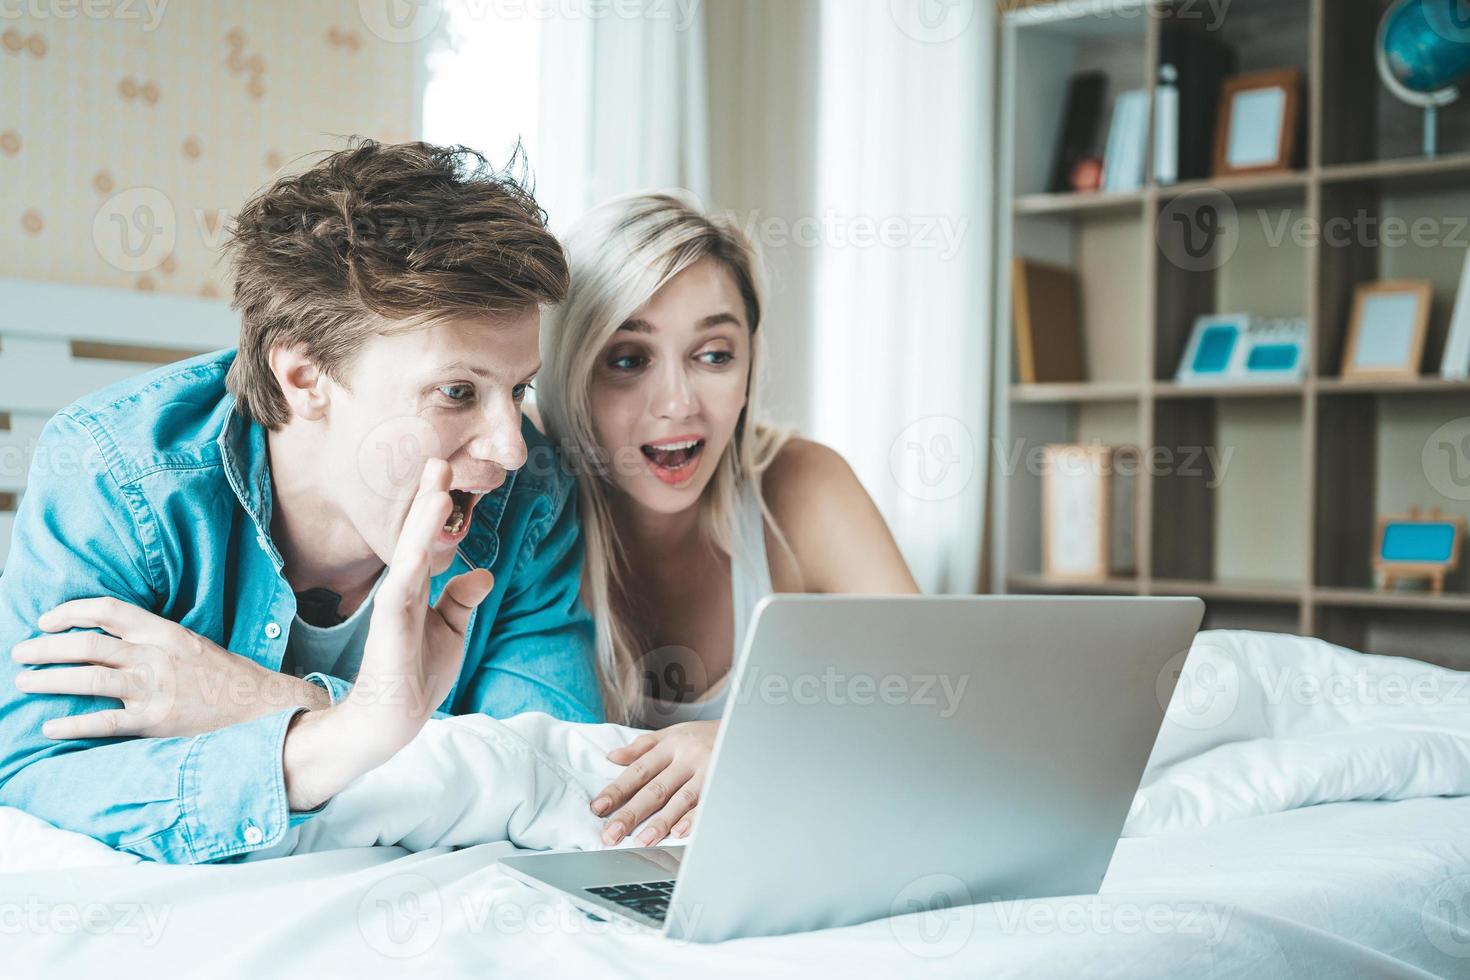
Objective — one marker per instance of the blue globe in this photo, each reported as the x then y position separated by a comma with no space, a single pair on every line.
1427,43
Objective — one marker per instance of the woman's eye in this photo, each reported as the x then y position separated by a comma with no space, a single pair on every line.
628,362
519,391
717,357
456,393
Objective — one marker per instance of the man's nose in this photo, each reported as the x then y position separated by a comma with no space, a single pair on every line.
499,438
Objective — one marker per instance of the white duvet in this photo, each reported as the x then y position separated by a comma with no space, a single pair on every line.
1306,813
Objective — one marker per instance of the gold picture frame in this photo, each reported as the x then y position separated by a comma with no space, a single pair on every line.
1386,336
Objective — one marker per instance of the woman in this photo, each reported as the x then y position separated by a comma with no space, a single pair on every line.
693,510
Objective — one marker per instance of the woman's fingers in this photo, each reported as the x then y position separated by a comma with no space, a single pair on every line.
684,826
625,754
669,790
662,823
641,768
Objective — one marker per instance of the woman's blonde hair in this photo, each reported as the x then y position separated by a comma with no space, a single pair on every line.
620,255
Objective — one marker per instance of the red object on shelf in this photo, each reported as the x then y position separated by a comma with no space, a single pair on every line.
1087,175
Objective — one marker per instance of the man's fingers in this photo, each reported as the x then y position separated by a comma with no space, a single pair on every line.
408,572
73,648
462,595
101,682
98,724
119,618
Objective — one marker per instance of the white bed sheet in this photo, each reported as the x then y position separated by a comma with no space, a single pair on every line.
1227,870
1343,890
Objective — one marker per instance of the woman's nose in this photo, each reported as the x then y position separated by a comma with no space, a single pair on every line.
675,398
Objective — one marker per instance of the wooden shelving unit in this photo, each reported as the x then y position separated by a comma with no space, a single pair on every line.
1275,529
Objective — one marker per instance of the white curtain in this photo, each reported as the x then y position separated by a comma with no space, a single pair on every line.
893,253
901,363
623,106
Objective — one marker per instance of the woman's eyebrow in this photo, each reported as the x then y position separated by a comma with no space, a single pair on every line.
713,320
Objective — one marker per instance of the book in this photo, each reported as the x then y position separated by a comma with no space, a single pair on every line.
1456,362
1123,163
1201,62
1080,120
1048,336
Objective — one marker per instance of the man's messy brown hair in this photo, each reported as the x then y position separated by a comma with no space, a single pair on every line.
373,237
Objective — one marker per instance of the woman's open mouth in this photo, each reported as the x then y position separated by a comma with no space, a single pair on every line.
674,461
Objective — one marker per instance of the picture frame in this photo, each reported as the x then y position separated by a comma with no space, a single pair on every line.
1238,347
1046,310
1418,546
1455,364
1257,124
1386,334
1089,494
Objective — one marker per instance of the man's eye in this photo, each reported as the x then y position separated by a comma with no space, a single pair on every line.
717,357
456,393
519,391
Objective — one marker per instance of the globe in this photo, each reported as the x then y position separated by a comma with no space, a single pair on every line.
1425,44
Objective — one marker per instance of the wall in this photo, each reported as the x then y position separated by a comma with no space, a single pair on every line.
127,140
762,65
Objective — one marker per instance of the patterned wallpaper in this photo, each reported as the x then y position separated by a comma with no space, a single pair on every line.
130,130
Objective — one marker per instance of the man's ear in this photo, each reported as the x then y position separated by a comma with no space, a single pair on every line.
301,381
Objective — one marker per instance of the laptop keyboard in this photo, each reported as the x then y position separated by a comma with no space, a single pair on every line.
650,898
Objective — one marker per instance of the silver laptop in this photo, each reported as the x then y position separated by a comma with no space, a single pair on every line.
871,742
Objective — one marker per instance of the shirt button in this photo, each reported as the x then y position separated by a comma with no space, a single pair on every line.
272,630
253,834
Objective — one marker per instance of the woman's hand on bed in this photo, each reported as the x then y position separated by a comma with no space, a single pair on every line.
170,680
664,779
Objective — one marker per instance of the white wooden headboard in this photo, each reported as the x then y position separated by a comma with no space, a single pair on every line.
59,342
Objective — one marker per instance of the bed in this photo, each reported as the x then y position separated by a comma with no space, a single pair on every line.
1304,814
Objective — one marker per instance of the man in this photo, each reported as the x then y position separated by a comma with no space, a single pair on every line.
347,496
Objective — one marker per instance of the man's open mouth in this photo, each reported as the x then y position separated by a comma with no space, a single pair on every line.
464,502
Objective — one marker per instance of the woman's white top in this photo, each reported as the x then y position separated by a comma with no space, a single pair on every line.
750,582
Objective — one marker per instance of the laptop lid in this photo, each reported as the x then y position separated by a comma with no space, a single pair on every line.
873,746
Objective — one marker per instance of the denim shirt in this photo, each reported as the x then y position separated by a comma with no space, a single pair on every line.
157,492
